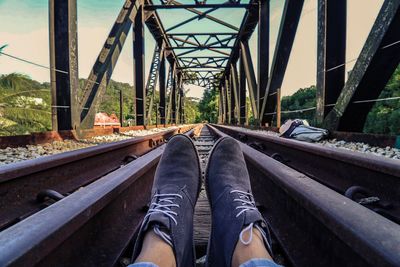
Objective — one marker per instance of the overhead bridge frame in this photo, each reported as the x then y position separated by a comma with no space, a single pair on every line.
222,61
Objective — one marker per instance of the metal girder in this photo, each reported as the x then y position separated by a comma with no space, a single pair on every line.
223,102
138,66
186,6
203,63
158,56
242,93
331,53
175,82
247,27
235,88
193,40
103,68
250,77
197,48
226,96
220,106
263,54
64,56
162,88
157,30
287,32
169,90
377,61
201,15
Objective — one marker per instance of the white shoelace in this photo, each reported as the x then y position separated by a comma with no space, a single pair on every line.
248,204
163,205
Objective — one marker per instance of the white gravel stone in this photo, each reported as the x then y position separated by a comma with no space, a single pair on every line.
11,155
387,152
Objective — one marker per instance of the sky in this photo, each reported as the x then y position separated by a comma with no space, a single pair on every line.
24,27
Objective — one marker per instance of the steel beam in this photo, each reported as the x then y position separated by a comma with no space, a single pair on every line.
247,27
287,32
331,53
64,57
187,6
169,87
378,60
250,77
201,15
220,105
162,88
235,88
138,66
152,80
226,94
232,120
263,54
242,93
103,68
173,96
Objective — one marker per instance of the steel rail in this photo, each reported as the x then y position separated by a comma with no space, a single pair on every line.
22,182
314,225
363,177
93,226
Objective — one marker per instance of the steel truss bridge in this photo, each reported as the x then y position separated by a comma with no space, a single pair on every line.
229,69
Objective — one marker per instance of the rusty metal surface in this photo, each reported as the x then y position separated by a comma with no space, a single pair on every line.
340,170
93,226
314,225
65,172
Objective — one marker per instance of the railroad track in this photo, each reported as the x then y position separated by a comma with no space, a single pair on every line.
311,224
367,179
95,225
28,186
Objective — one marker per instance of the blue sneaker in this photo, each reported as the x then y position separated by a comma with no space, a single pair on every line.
175,191
233,208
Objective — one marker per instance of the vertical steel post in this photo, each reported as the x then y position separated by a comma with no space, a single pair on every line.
182,107
263,55
242,93
173,95
278,108
220,105
162,88
226,94
138,66
223,97
287,32
64,57
331,53
235,89
250,77
232,99
121,108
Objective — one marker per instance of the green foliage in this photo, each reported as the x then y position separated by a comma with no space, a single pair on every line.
385,115
302,99
208,106
24,105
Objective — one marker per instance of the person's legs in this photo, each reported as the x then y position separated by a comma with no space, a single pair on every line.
239,235
166,235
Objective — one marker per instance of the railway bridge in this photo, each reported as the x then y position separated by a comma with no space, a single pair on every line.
325,206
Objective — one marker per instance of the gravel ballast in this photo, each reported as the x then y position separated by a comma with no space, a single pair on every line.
387,152
11,155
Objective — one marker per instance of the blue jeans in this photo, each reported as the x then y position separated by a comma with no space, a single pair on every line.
250,263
